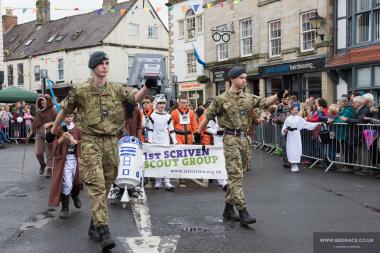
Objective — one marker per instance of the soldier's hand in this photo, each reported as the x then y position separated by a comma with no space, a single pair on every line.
49,137
219,132
282,94
150,83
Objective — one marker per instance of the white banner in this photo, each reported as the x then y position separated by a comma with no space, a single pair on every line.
184,161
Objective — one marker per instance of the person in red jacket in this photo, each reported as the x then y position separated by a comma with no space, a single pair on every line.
147,110
321,110
184,121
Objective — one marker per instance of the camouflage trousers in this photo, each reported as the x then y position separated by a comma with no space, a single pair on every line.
236,152
98,165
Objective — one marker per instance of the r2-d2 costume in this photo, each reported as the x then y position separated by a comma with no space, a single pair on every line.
213,128
161,131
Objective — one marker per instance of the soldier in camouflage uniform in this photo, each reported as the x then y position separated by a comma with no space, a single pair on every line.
233,109
99,104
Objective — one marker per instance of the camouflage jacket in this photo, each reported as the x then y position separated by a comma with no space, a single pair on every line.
233,110
100,112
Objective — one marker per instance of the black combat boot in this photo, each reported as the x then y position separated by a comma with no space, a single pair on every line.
245,219
93,232
77,202
106,241
229,213
65,206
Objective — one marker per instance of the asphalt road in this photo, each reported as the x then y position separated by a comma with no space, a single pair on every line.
289,208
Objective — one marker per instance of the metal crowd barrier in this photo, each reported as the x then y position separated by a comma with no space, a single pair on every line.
16,131
352,145
266,137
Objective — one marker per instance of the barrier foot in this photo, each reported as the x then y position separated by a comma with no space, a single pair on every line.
314,164
328,168
204,182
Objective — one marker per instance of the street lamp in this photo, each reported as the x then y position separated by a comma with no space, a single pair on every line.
316,23
175,80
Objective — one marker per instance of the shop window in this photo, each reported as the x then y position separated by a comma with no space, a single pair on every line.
273,85
312,85
363,77
220,87
130,64
377,75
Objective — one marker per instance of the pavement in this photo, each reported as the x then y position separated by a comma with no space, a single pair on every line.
289,207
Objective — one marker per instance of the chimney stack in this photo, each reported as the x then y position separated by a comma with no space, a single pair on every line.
9,20
108,4
42,11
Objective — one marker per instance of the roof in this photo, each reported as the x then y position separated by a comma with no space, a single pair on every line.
79,31
355,56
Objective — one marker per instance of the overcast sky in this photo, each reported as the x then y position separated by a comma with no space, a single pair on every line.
84,5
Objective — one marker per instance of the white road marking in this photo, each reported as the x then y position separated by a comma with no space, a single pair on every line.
147,243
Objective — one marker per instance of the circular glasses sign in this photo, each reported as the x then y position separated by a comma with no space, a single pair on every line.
221,35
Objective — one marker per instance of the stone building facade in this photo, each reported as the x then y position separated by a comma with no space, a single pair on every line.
276,43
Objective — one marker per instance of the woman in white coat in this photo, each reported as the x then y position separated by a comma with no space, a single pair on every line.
292,127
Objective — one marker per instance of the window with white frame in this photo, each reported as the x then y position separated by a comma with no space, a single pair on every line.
10,74
246,37
130,64
367,19
190,24
133,29
275,38
20,74
37,73
307,32
153,32
221,46
60,69
181,29
199,24
191,62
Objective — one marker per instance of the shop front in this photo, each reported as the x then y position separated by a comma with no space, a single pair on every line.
194,91
302,78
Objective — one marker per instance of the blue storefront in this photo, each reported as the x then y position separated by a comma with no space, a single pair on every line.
301,78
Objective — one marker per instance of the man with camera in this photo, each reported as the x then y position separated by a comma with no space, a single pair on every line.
99,105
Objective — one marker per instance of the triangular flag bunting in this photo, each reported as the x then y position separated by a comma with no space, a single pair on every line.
209,5
146,9
122,12
170,7
196,6
236,1
184,9
222,4
24,10
158,9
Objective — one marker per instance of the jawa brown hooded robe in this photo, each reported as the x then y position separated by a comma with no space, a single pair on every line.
60,152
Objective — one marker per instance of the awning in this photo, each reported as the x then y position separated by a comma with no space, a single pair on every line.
14,94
